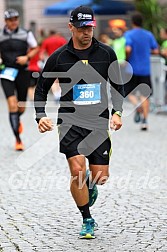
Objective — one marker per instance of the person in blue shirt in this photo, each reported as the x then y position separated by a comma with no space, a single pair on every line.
140,43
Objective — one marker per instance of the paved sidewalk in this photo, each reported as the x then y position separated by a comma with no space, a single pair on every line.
37,212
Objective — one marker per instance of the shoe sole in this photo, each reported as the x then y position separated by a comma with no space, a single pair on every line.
144,129
87,236
19,149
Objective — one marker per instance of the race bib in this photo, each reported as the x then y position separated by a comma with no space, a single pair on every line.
9,73
86,94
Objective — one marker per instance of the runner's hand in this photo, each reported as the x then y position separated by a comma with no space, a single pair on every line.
22,60
45,124
115,122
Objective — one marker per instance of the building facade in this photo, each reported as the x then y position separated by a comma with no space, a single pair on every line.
32,16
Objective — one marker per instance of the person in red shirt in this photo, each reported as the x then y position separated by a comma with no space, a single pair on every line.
49,45
33,66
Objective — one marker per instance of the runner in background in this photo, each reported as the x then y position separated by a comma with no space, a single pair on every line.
118,27
33,66
105,39
163,52
15,43
140,44
48,46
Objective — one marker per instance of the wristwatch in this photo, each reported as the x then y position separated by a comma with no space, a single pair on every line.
119,113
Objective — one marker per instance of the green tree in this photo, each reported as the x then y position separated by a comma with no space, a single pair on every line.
153,15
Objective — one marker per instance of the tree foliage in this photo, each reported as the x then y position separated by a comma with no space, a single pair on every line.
154,15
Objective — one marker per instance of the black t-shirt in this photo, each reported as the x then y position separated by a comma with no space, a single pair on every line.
83,110
83,54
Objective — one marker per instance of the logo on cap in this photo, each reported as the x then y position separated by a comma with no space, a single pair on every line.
84,16
79,16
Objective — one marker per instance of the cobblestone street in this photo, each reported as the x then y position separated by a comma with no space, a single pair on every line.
37,212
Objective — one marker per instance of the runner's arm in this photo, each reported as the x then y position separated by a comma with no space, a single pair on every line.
42,88
117,87
33,49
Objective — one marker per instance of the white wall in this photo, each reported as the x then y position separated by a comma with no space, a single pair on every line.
2,7
33,11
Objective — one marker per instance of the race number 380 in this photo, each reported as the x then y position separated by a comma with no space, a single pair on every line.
85,94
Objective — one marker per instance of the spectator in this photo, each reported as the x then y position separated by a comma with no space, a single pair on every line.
41,36
105,39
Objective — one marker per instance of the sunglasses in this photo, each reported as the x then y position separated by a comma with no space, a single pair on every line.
84,28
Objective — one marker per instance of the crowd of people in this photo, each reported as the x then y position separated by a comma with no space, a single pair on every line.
135,46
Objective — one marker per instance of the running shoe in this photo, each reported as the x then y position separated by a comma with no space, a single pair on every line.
87,231
93,191
137,117
19,146
144,125
20,128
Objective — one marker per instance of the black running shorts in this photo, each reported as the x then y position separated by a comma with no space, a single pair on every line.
33,81
140,84
94,144
17,87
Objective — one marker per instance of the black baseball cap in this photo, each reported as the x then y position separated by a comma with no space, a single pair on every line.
10,13
83,16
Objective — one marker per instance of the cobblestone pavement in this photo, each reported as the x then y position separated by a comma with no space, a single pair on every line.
37,212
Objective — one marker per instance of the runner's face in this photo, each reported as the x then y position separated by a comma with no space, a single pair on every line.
12,23
82,36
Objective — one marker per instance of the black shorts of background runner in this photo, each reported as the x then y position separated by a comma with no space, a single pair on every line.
97,149
133,86
33,81
18,87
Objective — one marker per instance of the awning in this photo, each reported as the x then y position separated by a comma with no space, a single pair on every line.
103,7
65,7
